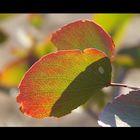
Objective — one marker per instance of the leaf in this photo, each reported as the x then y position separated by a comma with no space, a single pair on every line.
12,74
123,111
60,82
98,101
128,57
6,16
44,47
3,36
36,20
83,34
115,24
19,52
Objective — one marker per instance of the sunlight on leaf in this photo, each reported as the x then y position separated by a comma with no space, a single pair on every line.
83,34
62,81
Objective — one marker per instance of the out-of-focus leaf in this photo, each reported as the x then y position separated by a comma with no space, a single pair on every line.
98,100
6,16
44,48
123,111
128,57
60,82
3,36
11,75
83,34
19,52
115,24
36,20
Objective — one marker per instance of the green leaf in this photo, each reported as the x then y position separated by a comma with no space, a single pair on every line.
115,24
36,20
12,74
6,16
123,111
60,82
98,101
44,47
3,36
128,57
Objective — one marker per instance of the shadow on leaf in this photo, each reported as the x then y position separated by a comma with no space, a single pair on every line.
88,82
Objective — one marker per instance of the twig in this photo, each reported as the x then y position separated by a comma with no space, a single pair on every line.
120,74
124,85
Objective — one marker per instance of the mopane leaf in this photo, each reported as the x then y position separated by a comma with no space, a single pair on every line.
11,75
123,111
83,34
60,82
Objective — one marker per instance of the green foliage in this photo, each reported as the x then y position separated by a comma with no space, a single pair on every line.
36,20
98,100
128,57
3,36
12,73
115,24
6,16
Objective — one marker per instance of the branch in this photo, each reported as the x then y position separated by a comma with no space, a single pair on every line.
124,85
119,76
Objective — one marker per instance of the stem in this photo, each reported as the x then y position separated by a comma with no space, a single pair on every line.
124,85
119,76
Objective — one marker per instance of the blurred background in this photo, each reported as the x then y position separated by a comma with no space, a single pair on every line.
23,40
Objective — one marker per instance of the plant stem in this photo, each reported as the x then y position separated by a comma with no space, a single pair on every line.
119,75
124,85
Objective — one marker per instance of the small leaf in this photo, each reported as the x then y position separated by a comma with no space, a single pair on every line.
115,24
123,111
36,20
20,52
44,47
60,82
3,36
98,100
128,57
81,35
6,16
11,75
